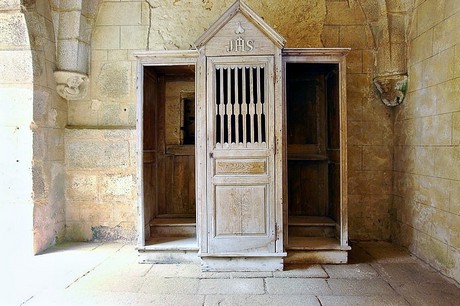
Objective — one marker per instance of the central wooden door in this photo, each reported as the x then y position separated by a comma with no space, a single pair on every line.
240,146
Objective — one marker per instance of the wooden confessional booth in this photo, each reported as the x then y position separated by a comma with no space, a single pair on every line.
242,150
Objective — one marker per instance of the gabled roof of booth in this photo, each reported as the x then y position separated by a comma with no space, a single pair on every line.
240,6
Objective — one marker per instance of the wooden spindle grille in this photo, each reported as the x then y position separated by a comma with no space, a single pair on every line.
240,106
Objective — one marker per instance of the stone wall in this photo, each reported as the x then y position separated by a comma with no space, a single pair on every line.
32,123
49,121
100,184
16,92
427,140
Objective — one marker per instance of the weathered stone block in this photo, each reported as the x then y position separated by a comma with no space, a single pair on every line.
10,4
355,157
92,212
106,37
117,186
96,154
330,36
416,77
425,102
418,47
368,61
447,162
72,212
439,68
436,130
432,250
134,37
432,191
114,80
16,67
377,158
424,160
429,13
358,84
116,114
78,231
82,186
447,95
120,13
445,34
456,128
341,13
82,113
355,37
115,55
55,144
369,182
126,211
355,61
14,31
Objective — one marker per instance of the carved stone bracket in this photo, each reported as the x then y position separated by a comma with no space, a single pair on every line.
392,88
71,85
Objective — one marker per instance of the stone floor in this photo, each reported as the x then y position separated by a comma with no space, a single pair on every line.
108,274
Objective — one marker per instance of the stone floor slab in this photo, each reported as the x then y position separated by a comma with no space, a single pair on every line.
342,300
231,286
363,287
385,252
261,300
108,274
114,299
154,285
400,273
299,270
354,271
297,286
429,293
107,283
175,270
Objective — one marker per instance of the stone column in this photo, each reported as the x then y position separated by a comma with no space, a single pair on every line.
73,22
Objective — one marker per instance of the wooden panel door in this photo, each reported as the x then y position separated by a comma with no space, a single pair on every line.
241,155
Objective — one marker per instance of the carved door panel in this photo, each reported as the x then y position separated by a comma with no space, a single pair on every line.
240,146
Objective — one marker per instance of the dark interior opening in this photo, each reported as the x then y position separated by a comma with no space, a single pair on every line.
169,151
313,147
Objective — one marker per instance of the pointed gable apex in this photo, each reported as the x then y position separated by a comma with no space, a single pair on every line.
241,7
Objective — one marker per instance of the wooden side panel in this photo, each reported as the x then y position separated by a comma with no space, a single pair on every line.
307,188
183,201
150,102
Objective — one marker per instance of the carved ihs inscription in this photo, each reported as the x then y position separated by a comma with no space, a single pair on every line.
240,45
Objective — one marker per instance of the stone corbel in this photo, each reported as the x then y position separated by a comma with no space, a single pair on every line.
392,88
71,85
